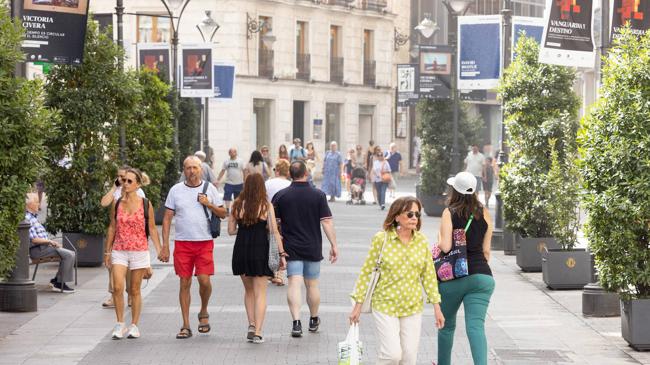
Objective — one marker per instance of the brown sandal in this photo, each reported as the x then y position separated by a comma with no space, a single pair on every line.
204,328
184,333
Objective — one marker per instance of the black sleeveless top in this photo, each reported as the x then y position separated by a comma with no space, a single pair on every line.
476,262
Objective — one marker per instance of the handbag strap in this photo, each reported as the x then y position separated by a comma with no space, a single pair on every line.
471,218
381,252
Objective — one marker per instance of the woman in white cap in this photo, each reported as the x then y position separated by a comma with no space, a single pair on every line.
465,212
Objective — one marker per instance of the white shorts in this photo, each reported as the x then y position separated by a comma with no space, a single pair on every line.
132,259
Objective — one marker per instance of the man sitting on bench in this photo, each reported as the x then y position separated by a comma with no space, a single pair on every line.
41,247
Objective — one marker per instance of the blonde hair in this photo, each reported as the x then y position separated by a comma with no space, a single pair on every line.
142,178
282,168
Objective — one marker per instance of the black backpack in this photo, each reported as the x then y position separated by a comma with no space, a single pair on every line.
145,205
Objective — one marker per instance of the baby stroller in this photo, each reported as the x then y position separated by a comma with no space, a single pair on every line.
357,186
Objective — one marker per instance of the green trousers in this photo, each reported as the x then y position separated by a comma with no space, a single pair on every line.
474,292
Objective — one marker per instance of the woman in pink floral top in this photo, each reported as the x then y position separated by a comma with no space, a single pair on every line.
127,249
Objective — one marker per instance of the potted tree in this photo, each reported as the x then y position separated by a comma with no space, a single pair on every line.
435,131
91,99
616,175
535,97
566,267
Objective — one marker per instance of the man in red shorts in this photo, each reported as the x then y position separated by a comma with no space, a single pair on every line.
193,243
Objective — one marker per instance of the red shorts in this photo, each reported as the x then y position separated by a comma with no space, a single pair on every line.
193,257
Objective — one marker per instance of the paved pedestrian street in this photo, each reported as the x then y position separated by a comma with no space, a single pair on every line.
526,323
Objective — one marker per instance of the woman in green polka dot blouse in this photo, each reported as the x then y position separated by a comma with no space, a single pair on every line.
406,267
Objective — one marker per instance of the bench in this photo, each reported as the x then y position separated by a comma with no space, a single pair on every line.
44,260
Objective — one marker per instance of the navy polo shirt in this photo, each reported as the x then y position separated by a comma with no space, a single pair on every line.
300,209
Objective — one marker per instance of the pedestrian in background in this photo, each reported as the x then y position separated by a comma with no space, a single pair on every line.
406,268
297,153
370,153
113,194
378,175
332,169
394,159
349,165
279,182
302,210
252,219
474,165
283,154
312,159
488,179
233,168
188,203
256,165
127,250
267,157
473,291
359,158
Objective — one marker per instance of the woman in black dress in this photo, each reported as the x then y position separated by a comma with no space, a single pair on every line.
252,219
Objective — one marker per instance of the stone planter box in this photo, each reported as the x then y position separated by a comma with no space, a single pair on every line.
90,248
497,240
529,252
635,316
562,269
509,242
433,205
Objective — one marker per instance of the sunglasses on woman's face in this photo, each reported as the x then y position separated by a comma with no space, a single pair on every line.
131,181
413,214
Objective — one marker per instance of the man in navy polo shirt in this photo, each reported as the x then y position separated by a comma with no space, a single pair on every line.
301,211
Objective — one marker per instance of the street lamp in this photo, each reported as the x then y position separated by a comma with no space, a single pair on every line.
256,26
427,27
455,8
207,26
171,6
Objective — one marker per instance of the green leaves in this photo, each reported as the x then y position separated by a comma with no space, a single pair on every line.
540,111
615,167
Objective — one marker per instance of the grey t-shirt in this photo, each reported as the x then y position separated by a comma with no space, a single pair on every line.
191,223
234,171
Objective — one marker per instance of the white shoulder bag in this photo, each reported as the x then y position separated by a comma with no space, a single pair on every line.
366,306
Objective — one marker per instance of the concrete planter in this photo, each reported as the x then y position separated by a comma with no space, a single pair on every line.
566,269
433,205
635,316
90,248
509,242
529,252
497,240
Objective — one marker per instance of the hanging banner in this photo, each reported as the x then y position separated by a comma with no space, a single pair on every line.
155,57
434,79
224,80
406,84
55,31
567,38
634,12
531,27
196,71
479,52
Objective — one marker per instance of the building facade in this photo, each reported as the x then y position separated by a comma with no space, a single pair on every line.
327,76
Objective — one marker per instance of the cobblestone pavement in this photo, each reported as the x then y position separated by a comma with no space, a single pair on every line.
526,324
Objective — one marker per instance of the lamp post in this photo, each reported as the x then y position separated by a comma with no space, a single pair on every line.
455,8
208,27
171,6
119,12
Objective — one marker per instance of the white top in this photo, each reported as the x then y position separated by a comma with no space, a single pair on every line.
377,168
118,193
234,171
261,168
274,185
191,223
475,163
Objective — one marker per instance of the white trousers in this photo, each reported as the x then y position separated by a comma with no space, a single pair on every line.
399,338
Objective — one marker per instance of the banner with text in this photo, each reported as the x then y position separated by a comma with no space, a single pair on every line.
567,38
479,52
224,80
55,31
155,57
407,92
196,71
434,72
634,12
531,27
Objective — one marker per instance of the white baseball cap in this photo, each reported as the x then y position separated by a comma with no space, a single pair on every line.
464,183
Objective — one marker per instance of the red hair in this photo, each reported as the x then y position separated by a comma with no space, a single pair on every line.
252,201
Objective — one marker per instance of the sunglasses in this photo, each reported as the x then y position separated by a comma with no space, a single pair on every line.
412,214
131,182
122,179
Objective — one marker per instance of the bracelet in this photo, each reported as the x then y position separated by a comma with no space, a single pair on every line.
107,253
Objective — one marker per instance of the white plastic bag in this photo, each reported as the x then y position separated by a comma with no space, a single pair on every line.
350,351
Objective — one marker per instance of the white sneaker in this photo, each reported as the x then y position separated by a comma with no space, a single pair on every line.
134,332
118,331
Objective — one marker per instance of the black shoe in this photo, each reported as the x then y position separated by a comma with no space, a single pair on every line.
66,288
53,280
314,323
383,207
296,331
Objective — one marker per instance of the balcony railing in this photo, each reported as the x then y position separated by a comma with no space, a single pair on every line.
303,63
369,71
265,63
376,5
340,2
336,69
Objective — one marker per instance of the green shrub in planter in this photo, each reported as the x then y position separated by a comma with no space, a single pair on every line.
614,145
436,134
538,104
563,183
24,124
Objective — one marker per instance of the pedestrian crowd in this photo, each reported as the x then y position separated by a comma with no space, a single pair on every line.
276,214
